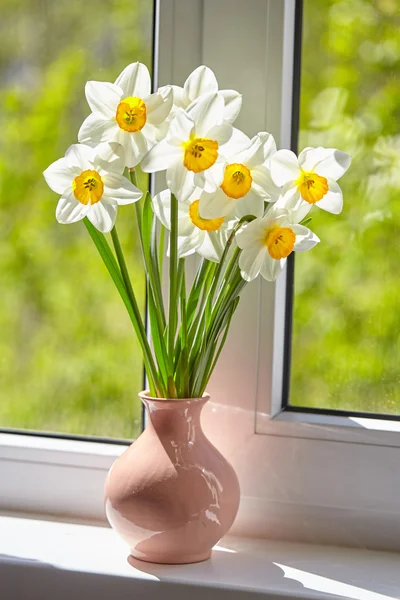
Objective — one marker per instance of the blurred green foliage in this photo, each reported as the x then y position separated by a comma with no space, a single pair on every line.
346,350
69,360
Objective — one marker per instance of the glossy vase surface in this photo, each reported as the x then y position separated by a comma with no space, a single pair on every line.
172,495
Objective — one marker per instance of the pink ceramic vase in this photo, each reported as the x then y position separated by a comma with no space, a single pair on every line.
171,495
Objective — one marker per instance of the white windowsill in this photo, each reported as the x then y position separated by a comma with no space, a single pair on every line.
53,559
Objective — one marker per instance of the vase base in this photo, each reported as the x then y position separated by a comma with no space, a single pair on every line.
168,560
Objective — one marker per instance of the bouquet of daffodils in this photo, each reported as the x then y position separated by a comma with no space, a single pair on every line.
237,202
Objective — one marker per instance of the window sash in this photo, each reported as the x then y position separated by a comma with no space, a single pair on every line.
301,481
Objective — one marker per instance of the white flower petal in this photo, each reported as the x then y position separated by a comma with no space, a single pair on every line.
103,97
161,205
221,133
263,184
180,129
333,200
161,130
140,147
206,113
158,106
69,210
119,189
273,214
290,197
251,232
180,99
238,142
96,129
180,181
213,245
327,162
201,81
187,244
152,133
215,205
59,175
210,179
310,157
250,204
305,238
284,167
251,260
103,216
161,157
246,154
109,157
272,268
79,156
185,224
201,182
233,104
293,203
136,146
135,81
264,151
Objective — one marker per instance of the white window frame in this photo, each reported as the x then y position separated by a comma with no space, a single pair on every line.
311,478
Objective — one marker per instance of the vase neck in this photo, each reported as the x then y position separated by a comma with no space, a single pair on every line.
179,419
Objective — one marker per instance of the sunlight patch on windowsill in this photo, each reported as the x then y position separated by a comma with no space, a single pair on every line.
330,586
377,424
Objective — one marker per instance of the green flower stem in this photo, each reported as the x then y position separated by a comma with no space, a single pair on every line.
213,349
140,329
219,320
229,291
219,324
113,268
173,275
184,332
156,273
195,292
231,265
198,324
151,265
161,249
157,316
220,347
147,235
245,219
225,283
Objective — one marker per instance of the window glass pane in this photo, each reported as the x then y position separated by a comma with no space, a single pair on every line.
346,350
69,361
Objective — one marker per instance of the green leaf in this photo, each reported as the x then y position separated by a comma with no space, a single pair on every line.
212,351
129,301
173,275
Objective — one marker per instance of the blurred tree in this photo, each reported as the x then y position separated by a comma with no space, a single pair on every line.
346,351
69,361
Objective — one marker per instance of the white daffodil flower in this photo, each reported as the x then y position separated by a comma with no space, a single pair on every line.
191,151
266,242
126,112
246,179
203,81
207,237
91,184
311,177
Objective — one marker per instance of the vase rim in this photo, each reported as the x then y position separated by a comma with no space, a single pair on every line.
145,396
